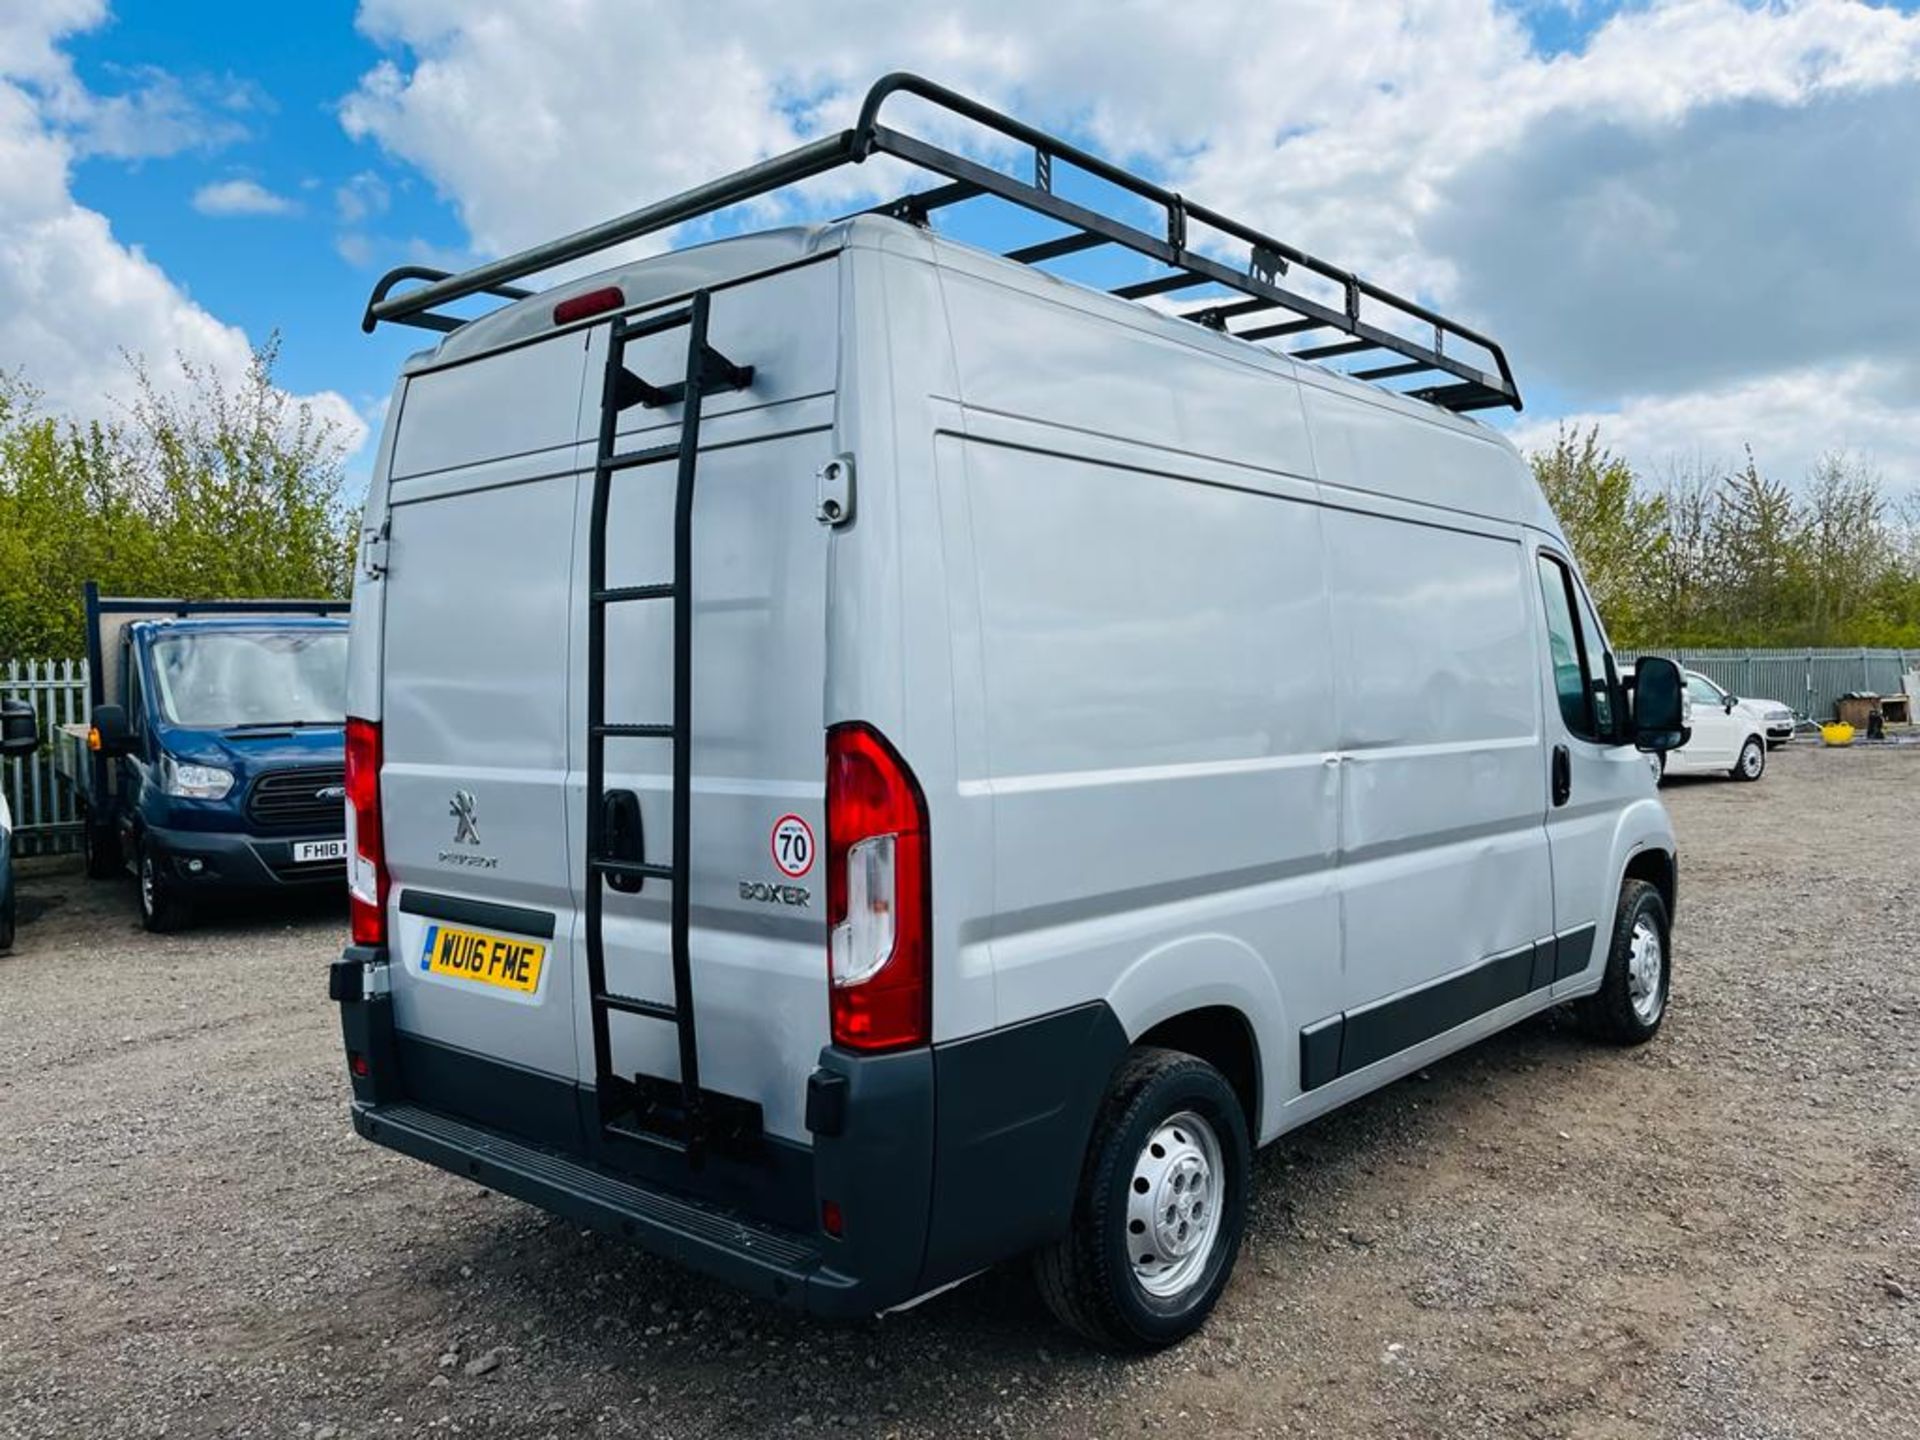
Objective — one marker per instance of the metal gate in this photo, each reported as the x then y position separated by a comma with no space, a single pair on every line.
44,822
1809,681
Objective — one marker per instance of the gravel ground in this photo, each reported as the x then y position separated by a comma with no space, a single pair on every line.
1718,1235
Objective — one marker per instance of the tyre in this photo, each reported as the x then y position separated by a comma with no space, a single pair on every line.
162,909
1162,1203
101,849
7,915
1632,998
1752,763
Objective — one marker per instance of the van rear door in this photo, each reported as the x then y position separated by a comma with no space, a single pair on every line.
757,938
476,729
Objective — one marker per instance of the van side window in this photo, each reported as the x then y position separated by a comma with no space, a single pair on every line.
1579,654
1563,646
1593,650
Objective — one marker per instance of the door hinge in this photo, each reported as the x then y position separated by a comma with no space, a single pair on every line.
373,550
834,482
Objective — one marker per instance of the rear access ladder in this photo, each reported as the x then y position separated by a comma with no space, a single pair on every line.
647,1109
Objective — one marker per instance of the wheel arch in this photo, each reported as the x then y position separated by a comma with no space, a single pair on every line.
1211,996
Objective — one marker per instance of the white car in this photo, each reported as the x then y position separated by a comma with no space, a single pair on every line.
1776,720
1729,735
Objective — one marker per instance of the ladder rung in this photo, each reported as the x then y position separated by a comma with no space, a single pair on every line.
638,327
653,454
614,594
641,868
652,1009
648,731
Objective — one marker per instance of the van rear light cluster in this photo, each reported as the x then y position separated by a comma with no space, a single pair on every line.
366,854
879,898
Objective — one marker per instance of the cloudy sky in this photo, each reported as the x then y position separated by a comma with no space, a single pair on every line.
1695,222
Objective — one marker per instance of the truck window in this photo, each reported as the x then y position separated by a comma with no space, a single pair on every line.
136,712
223,678
1578,652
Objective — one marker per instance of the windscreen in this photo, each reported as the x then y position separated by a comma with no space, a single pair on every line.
220,679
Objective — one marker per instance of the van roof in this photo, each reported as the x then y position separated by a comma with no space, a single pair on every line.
1436,359
659,279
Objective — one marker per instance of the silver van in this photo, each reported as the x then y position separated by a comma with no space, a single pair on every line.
869,759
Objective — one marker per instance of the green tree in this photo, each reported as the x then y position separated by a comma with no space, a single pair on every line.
1617,533
215,492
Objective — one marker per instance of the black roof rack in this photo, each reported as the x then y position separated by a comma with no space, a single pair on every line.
1187,245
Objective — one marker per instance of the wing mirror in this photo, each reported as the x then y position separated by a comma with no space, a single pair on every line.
19,728
1659,717
110,734
1731,701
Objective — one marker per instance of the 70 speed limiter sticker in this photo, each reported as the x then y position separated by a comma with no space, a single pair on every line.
792,845
792,842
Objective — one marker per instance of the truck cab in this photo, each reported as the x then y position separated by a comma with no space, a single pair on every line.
213,760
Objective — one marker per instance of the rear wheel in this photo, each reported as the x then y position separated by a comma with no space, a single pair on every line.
161,906
7,913
1632,999
1162,1203
1752,763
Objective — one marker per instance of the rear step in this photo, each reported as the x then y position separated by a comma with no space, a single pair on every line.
681,1117
756,1257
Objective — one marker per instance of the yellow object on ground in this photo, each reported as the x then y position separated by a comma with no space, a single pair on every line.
1837,734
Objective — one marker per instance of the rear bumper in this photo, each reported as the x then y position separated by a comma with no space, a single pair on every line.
885,1128
230,859
760,1259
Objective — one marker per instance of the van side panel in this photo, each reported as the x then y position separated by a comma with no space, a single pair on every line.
1443,855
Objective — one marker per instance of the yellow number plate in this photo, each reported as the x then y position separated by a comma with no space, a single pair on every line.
490,959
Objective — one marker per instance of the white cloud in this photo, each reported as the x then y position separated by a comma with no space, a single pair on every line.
1701,217
1790,418
73,297
240,197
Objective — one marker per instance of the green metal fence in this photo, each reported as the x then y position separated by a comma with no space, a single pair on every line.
1809,681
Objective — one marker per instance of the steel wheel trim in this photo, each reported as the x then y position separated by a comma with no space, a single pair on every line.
1752,759
1174,1201
1646,970
146,884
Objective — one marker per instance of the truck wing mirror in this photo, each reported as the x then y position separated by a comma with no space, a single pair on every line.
19,728
1658,716
110,733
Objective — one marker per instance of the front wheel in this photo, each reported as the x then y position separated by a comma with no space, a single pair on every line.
1752,763
1632,999
1162,1204
161,907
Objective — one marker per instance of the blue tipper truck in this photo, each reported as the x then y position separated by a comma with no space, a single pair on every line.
213,756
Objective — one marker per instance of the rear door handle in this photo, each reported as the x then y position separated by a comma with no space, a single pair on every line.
1562,774
624,837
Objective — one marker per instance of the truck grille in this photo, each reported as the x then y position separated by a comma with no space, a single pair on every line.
292,799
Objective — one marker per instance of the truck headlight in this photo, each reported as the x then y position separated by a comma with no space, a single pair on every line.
194,782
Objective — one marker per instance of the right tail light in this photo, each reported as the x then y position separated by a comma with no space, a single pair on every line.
879,897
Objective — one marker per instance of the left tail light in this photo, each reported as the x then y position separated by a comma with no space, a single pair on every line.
366,855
